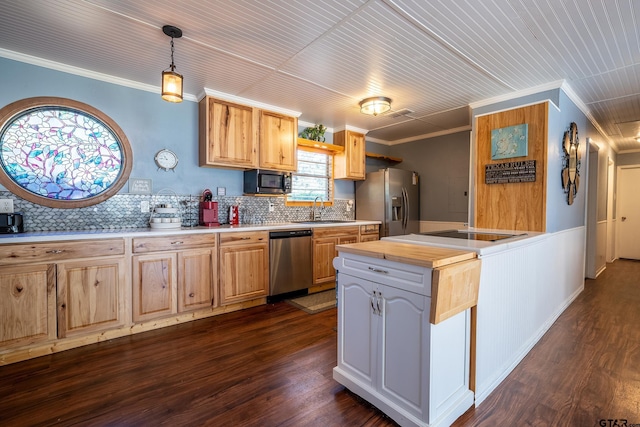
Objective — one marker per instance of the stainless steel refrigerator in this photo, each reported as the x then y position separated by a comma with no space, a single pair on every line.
393,197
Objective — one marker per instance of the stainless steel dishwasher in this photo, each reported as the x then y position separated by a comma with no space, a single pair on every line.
290,265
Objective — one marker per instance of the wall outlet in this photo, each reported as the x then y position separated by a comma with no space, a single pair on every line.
271,207
144,206
349,205
6,205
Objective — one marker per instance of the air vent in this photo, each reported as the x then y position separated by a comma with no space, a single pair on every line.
398,113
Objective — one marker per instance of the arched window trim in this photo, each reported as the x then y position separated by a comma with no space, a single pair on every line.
11,111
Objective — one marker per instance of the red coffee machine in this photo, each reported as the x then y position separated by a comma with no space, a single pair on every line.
208,210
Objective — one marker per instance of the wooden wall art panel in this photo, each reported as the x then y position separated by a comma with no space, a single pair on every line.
512,206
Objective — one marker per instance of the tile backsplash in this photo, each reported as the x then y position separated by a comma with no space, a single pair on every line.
122,211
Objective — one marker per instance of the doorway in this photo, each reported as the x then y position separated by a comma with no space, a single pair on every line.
629,212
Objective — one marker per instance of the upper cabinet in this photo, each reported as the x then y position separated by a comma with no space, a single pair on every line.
228,134
278,138
239,136
350,164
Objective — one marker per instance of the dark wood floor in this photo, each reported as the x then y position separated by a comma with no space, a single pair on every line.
271,366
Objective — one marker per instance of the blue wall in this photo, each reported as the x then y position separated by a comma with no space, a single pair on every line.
561,215
148,122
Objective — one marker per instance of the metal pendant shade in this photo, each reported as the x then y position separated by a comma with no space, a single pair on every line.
172,81
375,105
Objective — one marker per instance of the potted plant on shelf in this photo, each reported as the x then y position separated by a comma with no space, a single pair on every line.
315,133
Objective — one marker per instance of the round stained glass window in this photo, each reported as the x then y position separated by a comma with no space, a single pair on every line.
61,153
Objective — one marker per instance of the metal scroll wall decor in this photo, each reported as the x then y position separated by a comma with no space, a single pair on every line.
571,163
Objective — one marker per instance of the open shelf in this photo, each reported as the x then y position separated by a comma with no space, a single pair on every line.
383,157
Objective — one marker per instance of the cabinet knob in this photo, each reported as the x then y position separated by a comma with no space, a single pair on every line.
177,242
377,270
55,251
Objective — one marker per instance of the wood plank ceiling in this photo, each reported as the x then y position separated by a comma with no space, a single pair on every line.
320,57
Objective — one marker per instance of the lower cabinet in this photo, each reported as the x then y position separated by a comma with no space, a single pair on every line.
175,280
325,241
384,340
90,295
27,304
154,286
244,266
369,232
390,354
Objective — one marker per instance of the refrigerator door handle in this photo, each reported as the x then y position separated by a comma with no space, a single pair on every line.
405,209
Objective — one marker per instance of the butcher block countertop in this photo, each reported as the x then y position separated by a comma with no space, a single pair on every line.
424,256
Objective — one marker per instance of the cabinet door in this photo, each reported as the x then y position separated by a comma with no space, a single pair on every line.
154,286
196,269
90,295
227,134
350,164
357,328
369,237
27,303
404,349
278,142
244,272
324,250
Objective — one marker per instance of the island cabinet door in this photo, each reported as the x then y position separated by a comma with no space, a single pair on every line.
404,349
358,328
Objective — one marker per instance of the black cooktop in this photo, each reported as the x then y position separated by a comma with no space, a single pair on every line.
469,235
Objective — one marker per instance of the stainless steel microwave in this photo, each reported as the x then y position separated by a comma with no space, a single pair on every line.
259,181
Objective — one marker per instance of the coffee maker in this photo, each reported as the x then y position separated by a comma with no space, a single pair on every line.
11,223
208,215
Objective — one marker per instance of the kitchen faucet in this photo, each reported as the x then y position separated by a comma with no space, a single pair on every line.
317,216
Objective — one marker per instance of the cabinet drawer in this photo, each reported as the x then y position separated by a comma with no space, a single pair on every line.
172,243
320,232
56,251
370,229
243,237
411,278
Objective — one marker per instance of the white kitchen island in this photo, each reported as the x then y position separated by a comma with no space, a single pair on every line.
404,329
526,282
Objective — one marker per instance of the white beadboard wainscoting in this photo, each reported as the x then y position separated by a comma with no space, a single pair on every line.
522,292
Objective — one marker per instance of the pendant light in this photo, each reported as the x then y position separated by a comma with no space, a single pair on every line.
375,105
172,81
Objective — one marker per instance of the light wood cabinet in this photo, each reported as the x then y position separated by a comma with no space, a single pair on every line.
349,164
244,266
87,282
27,304
173,274
90,295
369,232
196,285
228,134
325,241
278,142
154,286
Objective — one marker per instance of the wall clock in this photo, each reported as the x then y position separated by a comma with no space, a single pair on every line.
166,159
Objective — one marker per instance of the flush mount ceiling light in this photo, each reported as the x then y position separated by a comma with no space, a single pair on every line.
172,81
375,105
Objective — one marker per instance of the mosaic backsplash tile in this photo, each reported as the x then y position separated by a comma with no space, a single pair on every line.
122,211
